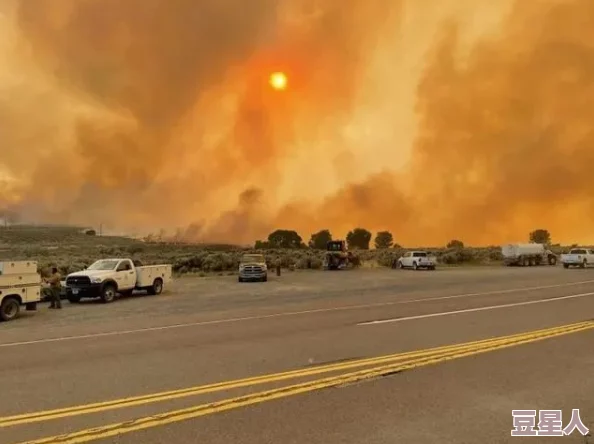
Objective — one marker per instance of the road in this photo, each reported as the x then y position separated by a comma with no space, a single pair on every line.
363,356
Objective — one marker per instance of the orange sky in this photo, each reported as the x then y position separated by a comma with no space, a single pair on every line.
434,119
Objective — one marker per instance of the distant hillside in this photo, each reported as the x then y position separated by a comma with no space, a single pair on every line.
54,234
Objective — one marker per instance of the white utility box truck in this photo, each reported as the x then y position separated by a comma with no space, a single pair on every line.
20,286
106,278
527,255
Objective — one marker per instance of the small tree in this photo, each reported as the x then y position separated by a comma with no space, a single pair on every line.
261,245
540,236
319,240
383,239
455,244
285,239
359,238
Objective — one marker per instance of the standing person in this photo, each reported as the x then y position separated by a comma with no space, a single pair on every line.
55,285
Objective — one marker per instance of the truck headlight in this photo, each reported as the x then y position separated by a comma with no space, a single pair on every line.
95,280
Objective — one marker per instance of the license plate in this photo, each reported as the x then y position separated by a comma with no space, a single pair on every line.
75,291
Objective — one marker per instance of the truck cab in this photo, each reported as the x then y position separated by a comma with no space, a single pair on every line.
106,278
252,267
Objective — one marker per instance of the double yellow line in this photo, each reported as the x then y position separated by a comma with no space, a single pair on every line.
379,366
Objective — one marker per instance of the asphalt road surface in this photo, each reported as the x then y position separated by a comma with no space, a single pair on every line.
362,356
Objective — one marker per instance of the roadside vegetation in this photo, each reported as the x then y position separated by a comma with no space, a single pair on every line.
72,249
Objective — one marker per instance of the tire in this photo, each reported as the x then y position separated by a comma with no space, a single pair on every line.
552,260
73,299
584,264
9,309
524,262
415,266
531,262
108,293
265,278
400,266
565,265
156,288
239,279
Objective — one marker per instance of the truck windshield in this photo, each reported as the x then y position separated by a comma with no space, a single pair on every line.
252,258
105,264
420,254
577,252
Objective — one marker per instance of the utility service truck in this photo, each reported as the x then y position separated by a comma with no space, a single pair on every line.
578,257
106,278
527,255
20,285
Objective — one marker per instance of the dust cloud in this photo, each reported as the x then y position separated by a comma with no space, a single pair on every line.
432,119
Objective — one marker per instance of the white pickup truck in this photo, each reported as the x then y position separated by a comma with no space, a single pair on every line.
579,257
106,278
20,285
416,260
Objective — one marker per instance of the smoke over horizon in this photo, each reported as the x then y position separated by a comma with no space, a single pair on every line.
432,119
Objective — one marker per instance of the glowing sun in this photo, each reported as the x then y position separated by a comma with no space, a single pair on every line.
278,81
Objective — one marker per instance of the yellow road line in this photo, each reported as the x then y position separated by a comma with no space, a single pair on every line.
175,416
47,415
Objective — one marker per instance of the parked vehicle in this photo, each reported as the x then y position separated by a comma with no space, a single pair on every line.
106,278
416,260
20,285
252,267
338,256
527,255
578,257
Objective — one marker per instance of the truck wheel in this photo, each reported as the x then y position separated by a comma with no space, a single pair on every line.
565,265
9,309
552,260
108,293
584,264
531,262
156,288
265,278
524,262
415,266
239,279
400,266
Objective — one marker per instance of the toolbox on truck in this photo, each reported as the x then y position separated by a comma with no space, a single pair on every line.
18,267
19,280
20,285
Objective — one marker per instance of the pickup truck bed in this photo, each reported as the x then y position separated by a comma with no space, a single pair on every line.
146,275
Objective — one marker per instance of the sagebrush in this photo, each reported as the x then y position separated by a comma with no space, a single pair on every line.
70,249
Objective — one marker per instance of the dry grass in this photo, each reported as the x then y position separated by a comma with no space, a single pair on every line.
71,250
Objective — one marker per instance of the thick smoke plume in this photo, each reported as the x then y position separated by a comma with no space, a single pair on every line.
432,119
